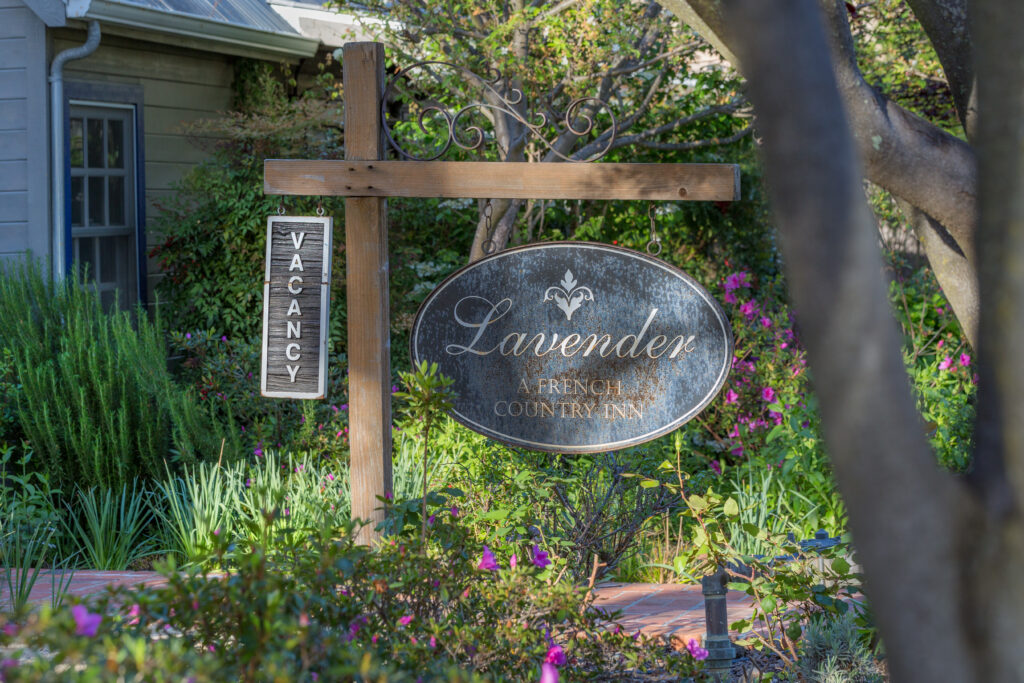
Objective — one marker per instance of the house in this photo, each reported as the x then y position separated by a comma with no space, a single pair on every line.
92,97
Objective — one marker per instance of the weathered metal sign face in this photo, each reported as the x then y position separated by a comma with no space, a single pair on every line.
574,347
296,298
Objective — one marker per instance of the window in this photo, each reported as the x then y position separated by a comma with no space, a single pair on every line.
104,227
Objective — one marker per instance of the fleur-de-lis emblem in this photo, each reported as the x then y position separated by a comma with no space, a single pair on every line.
568,297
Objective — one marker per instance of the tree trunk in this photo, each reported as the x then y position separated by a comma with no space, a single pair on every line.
902,153
908,519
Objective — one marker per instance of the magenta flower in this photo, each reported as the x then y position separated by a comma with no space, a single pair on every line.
431,519
487,561
730,298
716,467
11,629
455,511
361,621
768,394
731,396
188,335
736,280
86,624
555,655
388,495
404,621
965,360
512,562
258,451
548,673
696,651
946,363
748,309
941,342
540,558
433,641
766,322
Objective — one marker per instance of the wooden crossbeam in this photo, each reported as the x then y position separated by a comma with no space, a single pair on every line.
505,180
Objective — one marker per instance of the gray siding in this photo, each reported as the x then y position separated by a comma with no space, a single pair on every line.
24,138
179,86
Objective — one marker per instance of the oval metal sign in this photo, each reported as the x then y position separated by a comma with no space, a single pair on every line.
574,347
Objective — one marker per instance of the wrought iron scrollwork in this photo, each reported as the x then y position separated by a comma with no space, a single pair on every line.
578,117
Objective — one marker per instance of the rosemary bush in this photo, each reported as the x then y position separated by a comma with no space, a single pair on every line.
96,400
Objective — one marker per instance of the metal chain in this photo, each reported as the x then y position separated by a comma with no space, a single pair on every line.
654,246
489,246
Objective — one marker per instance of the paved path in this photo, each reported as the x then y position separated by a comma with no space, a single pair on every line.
671,610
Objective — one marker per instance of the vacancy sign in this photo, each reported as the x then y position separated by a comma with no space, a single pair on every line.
296,301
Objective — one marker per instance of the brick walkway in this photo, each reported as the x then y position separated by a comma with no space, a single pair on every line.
670,610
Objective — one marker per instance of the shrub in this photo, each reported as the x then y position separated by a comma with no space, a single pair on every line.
831,652
331,610
96,400
225,374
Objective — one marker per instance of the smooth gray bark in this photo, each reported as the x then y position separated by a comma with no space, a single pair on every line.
913,159
907,518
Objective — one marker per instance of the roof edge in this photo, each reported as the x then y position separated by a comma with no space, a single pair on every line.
223,36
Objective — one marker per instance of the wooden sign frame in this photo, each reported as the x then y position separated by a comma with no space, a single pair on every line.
323,282
365,179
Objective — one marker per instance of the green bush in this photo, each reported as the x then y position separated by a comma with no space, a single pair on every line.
96,400
330,610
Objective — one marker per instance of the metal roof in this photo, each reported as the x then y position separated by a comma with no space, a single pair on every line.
255,14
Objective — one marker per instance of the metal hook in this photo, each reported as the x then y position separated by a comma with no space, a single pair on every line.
489,246
280,206
654,246
320,208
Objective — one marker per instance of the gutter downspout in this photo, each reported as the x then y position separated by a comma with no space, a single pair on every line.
57,170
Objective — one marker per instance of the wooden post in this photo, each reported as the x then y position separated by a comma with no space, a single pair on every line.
366,260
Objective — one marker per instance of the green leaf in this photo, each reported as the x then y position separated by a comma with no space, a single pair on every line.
840,566
650,483
731,508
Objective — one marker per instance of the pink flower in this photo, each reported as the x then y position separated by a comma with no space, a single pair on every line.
555,655
11,629
374,638
729,298
766,322
455,511
696,651
946,363
548,673
965,360
731,396
941,342
540,558
433,641
512,562
430,520
330,477
768,394
487,560
748,309
716,467
388,495
404,621
737,280
86,624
